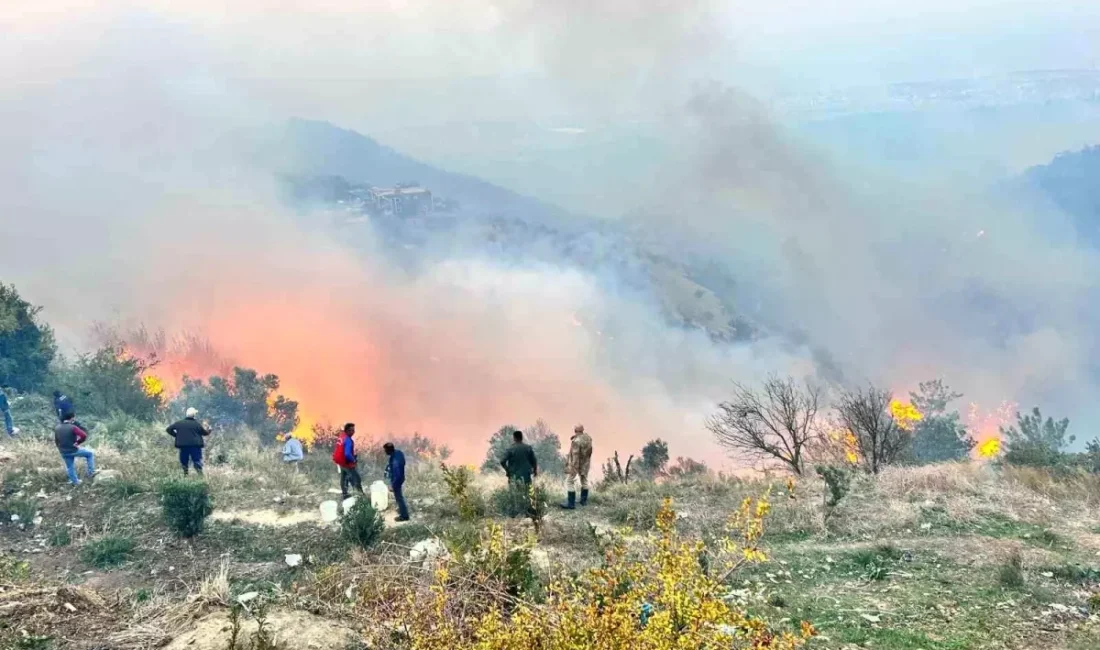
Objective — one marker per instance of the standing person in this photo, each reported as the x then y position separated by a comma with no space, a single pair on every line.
395,471
190,438
344,457
577,464
293,453
519,462
9,426
68,437
63,405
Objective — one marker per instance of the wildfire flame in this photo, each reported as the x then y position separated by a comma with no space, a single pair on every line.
845,441
985,426
905,414
989,448
152,385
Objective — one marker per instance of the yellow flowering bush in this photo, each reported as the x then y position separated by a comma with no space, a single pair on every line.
663,591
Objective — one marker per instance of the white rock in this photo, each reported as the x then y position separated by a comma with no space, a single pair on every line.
37,521
69,606
427,550
925,526
15,518
247,597
379,496
330,511
334,491
871,617
1048,574
348,503
293,560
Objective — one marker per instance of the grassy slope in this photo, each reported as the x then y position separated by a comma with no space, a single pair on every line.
912,560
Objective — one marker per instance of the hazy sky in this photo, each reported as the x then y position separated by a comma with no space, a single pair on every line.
326,58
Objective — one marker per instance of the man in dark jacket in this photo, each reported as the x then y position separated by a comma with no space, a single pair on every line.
395,471
63,405
345,458
68,437
519,461
190,439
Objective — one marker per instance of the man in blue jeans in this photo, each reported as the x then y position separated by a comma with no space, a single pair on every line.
190,438
68,437
395,471
9,426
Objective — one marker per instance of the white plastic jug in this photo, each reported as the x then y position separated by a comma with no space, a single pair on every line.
329,511
379,496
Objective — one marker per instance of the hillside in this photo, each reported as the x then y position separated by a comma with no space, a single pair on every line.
322,165
949,557
312,148
1071,182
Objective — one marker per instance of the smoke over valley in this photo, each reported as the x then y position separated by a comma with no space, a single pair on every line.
155,175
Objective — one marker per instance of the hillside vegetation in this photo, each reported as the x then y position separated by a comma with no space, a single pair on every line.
951,556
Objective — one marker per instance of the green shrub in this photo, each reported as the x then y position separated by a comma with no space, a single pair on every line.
362,524
1094,603
186,505
20,511
875,563
60,536
107,551
463,494
1075,573
639,515
510,500
1011,573
1036,442
838,482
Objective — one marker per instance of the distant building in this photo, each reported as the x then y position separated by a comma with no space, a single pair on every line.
402,200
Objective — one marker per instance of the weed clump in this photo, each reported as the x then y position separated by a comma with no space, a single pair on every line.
186,505
60,536
107,551
462,492
520,500
1011,574
362,525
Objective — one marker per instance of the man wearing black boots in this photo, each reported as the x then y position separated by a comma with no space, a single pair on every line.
577,464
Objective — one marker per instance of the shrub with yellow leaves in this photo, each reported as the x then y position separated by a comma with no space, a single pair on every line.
665,591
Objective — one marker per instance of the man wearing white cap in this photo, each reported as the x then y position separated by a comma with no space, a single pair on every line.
190,438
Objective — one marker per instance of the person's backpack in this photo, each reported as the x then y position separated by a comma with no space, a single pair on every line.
338,456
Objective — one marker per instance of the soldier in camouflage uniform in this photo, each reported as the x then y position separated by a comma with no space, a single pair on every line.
578,464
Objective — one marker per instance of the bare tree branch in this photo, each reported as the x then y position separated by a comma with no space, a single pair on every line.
777,421
865,412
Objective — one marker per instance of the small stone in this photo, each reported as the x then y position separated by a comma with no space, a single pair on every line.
69,606
247,597
15,518
293,560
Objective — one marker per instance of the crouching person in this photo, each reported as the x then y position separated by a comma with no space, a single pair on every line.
68,437
293,452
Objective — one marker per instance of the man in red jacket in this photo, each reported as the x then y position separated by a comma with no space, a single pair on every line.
344,457
68,437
